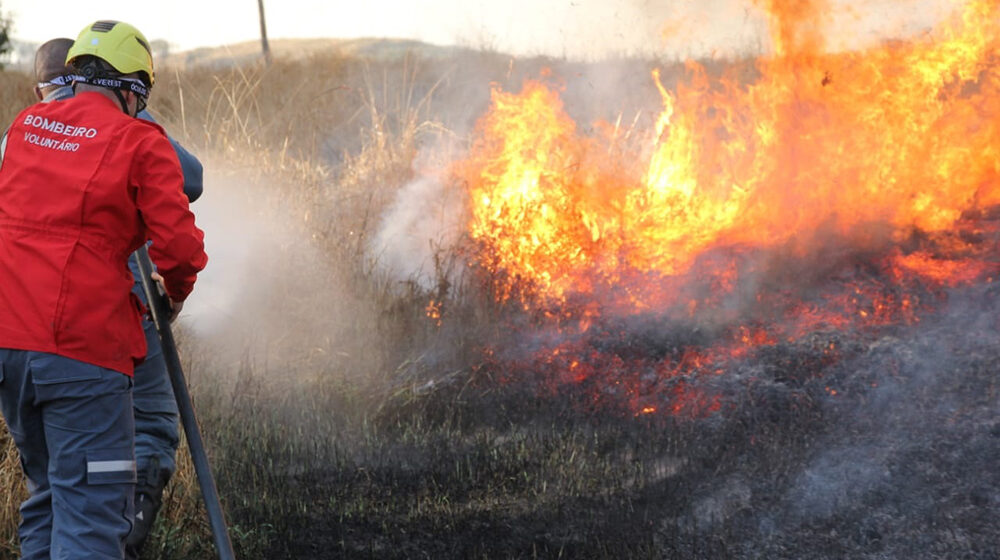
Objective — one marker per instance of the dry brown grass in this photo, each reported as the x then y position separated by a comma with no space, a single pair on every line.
15,95
14,492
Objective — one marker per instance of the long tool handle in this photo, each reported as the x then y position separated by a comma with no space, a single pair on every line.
159,307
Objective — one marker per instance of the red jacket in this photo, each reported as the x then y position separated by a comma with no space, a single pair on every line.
83,185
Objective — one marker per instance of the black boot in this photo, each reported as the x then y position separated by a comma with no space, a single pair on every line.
148,498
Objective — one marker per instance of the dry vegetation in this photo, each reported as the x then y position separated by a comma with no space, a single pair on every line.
343,423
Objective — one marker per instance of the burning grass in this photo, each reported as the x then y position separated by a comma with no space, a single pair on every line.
691,330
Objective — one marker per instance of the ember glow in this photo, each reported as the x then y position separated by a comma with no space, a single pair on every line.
807,190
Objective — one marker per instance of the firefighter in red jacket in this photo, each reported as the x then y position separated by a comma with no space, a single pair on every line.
82,185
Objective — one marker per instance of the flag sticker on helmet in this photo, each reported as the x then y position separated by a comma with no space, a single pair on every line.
104,26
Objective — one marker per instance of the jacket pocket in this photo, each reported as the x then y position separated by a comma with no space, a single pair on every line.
78,396
51,369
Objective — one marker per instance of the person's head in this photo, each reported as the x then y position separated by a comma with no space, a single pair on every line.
114,56
51,71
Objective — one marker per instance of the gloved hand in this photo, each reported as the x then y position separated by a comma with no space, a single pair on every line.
175,306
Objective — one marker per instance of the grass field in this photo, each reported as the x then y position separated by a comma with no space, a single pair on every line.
343,422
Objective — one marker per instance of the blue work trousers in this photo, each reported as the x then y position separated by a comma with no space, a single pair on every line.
73,425
156,416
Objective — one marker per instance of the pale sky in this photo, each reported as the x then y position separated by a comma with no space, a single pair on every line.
576,28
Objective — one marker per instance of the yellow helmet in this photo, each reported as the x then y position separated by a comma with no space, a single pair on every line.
119,44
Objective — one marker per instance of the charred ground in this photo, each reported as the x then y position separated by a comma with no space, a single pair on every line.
884,451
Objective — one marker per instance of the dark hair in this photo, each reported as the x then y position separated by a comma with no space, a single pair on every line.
50,59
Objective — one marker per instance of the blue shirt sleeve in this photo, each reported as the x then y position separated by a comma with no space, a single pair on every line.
190,165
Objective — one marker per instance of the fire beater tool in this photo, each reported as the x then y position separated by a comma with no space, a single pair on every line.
159,308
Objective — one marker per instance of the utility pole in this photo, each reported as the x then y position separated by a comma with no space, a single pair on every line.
263,34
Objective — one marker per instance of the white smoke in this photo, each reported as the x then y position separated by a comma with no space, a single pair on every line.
595,29
262,272
424,224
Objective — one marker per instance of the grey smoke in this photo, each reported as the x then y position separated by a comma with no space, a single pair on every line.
425,222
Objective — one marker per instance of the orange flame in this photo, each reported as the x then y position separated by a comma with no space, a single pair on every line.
874,147
904,134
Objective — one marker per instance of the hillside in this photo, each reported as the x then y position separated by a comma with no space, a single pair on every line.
297,49
22,53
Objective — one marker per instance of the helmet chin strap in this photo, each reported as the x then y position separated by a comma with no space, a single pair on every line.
124,103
